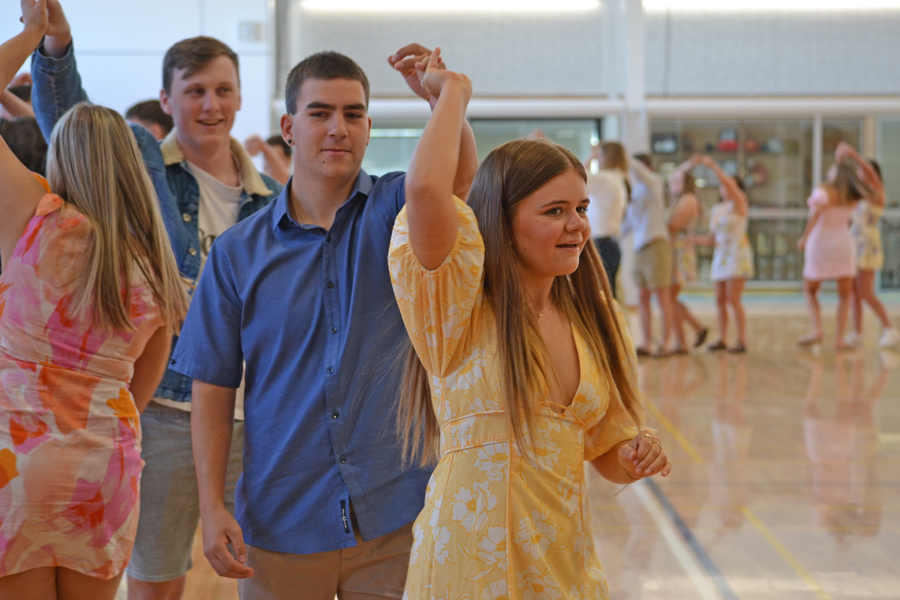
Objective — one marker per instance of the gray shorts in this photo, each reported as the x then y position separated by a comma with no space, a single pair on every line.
170,507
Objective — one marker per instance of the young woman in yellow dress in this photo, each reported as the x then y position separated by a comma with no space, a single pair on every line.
521,366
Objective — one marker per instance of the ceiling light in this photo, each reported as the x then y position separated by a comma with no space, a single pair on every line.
450,6
717,6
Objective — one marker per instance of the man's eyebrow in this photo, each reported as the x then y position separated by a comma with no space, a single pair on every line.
323,105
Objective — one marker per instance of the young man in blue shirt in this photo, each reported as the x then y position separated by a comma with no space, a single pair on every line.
301,294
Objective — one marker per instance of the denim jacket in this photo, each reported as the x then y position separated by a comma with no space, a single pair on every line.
57,87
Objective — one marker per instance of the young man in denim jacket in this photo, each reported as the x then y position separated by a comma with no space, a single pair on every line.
206,183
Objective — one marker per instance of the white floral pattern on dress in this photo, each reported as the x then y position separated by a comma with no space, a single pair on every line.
536,534
492,459
470,507
536,584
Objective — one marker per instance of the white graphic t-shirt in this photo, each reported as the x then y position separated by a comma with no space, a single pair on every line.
218,209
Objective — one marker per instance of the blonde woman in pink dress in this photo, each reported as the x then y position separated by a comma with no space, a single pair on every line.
89,294
829,251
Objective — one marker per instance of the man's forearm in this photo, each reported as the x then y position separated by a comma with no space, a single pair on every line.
57,86
212,423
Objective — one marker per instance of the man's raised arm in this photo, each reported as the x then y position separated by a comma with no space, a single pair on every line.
57,84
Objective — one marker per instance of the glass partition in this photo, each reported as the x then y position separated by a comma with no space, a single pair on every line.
392,143
773,158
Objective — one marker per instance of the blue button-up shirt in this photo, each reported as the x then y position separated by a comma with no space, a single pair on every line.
312,313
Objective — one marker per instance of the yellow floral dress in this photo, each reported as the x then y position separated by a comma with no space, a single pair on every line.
497,524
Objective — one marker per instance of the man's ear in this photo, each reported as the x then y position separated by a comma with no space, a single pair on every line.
287,129
369,133
164,102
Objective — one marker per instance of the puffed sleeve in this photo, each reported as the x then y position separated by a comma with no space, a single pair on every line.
818,199
438,306
617,425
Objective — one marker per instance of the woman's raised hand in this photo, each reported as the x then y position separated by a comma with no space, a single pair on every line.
34,15
434,75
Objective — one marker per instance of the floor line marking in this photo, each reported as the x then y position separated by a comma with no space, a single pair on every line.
664,525
687,534
789,558
673,431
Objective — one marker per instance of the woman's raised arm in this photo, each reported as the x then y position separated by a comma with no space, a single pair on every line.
430,179
735,193
20,192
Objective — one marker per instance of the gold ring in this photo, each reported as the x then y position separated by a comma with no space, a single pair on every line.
647,435
658,444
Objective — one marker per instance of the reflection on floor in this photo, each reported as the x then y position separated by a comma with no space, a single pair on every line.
786,479
786,482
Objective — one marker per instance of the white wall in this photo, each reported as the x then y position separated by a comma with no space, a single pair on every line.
811,53
120,46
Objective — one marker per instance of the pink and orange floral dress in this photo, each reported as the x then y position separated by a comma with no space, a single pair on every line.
70,438
495,523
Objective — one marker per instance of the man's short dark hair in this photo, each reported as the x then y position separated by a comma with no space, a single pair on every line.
24,138
151,111
22,92
322,65
192,55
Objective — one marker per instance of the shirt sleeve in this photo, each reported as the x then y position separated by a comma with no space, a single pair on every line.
818,199
57,87
438,306
617,425
209,348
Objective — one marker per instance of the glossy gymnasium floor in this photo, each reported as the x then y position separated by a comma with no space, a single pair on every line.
787,472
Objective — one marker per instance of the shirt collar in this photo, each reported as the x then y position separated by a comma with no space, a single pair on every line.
363,185
252,181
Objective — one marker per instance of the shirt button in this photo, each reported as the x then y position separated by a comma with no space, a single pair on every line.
328,239
192,251
330,370
335,415
334,330
343,459
330,284
186,218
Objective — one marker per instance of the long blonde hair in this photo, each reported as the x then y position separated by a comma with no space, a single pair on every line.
94,164
847,187
507,176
